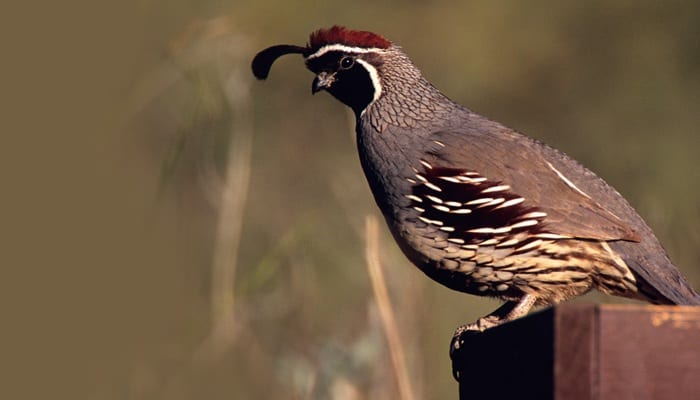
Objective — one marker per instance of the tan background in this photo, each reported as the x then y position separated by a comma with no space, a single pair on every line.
117,116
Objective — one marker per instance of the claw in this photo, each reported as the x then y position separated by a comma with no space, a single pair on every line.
456,344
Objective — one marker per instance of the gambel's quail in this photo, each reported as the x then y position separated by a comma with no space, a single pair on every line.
479,207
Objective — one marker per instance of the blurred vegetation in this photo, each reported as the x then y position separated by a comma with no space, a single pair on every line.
615,84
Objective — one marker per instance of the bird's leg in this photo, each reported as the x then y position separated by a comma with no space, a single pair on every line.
507,312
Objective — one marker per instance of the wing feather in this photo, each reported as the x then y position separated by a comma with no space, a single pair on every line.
537,173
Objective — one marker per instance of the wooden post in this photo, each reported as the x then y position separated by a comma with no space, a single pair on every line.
585,352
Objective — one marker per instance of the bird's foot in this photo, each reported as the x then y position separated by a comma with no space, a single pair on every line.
507,312
479,325
476,328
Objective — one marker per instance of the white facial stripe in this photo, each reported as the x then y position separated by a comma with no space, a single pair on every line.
374,76
339,47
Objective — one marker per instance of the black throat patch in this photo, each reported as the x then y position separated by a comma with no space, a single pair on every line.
352,85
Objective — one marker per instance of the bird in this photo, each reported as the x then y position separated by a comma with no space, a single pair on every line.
479,207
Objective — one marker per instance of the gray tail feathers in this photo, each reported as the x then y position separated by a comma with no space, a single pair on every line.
678,293
658,280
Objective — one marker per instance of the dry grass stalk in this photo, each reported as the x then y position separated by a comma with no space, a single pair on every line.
386,311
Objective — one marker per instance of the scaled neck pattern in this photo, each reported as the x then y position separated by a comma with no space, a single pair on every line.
408,100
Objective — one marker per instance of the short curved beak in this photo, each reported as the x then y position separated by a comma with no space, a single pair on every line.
323,81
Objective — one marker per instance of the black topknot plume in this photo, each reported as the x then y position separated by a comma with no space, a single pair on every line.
263,60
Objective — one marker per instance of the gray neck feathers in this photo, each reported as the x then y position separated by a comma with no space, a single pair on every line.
408,100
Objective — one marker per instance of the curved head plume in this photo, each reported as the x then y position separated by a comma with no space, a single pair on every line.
335,35
264,59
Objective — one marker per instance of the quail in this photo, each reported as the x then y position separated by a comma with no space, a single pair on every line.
477,206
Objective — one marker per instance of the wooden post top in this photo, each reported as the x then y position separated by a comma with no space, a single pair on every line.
585,351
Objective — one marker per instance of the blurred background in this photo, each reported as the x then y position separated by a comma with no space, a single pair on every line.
173,229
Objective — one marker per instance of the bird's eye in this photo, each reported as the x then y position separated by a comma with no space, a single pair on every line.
346,62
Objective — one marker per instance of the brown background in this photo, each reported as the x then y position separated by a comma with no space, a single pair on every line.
111,110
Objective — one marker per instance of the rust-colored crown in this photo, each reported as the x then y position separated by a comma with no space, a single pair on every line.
342,35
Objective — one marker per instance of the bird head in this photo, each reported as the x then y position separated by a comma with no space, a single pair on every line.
347,64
